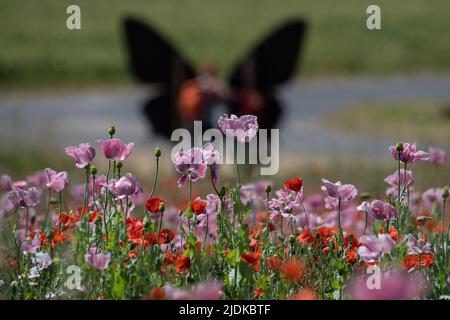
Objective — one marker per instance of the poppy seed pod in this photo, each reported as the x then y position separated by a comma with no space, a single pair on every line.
93,170
223,191
162,207
445,193
111,130
399,147
268,188
157,152
119,165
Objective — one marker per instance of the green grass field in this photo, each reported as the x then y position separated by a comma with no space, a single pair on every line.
37,51
424,122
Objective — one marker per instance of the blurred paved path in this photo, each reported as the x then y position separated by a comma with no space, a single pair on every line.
64,119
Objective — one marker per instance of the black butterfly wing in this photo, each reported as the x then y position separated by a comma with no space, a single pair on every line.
270,63
153,60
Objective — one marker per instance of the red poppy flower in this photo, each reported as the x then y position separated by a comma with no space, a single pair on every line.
292,269
252,258
259,292
274,263
294,184
306,237
166,235
94,215
156,294
182,263
425,260
153,204
198,206
58,237
392,232
352,256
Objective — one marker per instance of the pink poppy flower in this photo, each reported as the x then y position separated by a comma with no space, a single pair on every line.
432,197
409,153
6,183
381,210
437,156
99,261
115,149
372,247
243,128
343,192
190,163
406,177
83,154
392,285
57,181
25,198
201,291
417,246
126,186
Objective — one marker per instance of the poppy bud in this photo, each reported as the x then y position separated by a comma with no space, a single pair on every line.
399,147
157,152
93,170
119,165
223,191
445,193
423,218
111,130
292,238
365,196
268,188
162,207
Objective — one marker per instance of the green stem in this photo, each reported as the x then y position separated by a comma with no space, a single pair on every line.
86,189
155,178
238,175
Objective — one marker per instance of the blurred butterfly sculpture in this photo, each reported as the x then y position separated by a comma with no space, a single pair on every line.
185,96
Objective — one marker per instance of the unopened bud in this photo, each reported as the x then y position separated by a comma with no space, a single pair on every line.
93,170
223,191
445,193
119,165
268,188
399,147
111,130
162,207
157,152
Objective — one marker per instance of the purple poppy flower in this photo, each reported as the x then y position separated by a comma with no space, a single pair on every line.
392,285
417,246
409,153
191,164
6,183
382,210
98,260
58,181
126,186
372,247
201,291
83,154
213,204
431,197
25,198
343,192
406,177
284,204
243,128
437,156
115,149
38,179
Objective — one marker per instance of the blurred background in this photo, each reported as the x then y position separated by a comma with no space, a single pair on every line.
355,91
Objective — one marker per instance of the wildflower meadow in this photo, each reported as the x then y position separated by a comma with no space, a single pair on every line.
108,239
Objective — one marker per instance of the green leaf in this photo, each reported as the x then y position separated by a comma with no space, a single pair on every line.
120,284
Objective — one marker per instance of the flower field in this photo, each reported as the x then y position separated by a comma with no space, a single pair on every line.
110,239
